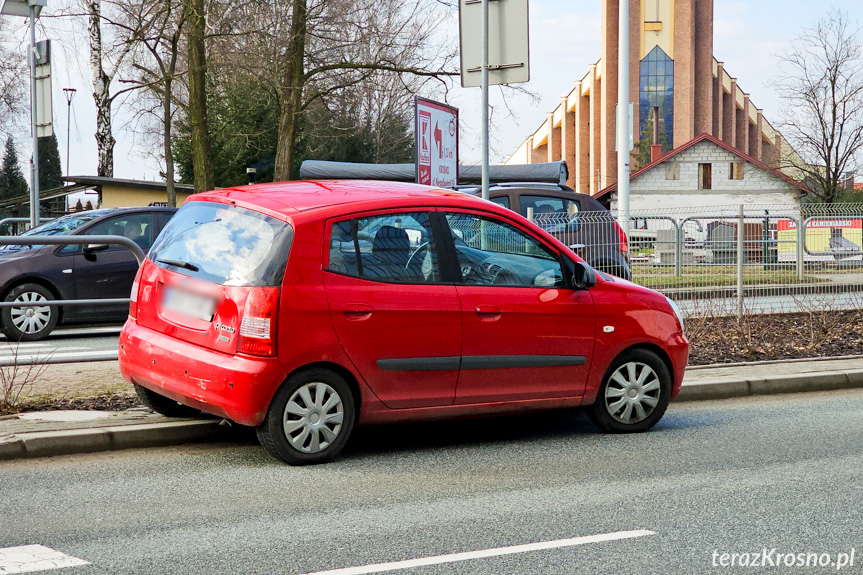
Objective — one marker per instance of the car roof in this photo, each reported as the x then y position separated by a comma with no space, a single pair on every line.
287,198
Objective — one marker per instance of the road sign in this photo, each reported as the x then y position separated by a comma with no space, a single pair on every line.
436,131
508,43
44,105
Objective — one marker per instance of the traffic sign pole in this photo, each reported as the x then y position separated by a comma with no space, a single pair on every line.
34,166
484,99
623,159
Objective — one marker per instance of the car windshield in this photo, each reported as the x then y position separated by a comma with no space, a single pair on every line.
62,226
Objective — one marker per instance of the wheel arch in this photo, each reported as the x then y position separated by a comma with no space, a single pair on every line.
666,359
341,371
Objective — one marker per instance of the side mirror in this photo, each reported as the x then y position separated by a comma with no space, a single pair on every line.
583,276
93,248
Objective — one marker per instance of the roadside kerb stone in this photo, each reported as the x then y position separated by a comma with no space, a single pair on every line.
71,441
725,388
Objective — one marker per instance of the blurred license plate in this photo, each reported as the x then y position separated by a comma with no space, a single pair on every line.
189,304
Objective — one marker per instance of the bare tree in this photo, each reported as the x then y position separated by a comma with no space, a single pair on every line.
822,91
155,33
13,74
335,44
197,112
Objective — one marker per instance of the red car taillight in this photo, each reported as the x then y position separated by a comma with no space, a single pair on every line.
133,296
624,243
258,327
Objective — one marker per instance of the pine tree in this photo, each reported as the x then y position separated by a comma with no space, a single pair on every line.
79,207
89,205
50,172
12,182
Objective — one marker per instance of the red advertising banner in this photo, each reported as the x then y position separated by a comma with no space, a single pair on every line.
436,131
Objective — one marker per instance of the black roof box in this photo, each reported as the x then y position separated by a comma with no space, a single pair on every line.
551,172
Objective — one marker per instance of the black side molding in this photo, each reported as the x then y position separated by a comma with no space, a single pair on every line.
420,364
478,362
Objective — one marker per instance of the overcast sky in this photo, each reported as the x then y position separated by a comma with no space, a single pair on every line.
565,40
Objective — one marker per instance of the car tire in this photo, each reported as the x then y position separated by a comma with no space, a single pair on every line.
29,322
164,405
310,418
634,394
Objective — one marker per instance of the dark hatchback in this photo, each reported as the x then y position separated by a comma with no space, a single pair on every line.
577,220
33,275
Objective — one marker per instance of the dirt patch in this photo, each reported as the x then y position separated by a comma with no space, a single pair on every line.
107,402
717,340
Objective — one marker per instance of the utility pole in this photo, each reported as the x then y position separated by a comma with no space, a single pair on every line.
622,128
484,40
34,163
69,93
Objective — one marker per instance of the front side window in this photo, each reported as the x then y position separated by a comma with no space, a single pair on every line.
395,248
492,252
137,227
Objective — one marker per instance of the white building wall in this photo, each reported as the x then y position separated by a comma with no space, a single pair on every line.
652,190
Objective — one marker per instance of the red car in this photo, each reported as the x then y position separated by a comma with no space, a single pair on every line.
306,308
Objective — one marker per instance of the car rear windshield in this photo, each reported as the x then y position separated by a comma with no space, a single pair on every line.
224,244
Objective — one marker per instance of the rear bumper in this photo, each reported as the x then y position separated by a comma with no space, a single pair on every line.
236,387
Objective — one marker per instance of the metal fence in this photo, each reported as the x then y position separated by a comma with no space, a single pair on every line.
747,259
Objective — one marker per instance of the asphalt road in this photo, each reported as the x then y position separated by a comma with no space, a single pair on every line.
735,476
63,344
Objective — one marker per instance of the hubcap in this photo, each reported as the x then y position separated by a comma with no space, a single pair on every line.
313,417
632,392
31,318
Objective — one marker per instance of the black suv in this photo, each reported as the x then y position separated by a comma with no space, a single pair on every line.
577,220
33,275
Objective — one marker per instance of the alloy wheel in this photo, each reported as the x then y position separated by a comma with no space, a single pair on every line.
632,392
313,417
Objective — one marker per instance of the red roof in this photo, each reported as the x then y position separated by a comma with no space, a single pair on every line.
721,144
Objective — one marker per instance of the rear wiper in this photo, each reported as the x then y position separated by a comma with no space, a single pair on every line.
179,264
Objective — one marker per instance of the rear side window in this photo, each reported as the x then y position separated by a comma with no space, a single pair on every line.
395,248
501,201
224,244
548,205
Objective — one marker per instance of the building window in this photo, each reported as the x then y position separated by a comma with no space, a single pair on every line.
657,91
672,171
705,176
736,171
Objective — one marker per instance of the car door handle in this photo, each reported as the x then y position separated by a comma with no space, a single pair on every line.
357,311
488,312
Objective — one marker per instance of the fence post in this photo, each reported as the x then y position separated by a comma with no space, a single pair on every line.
801,245
740,256
678,249
530,214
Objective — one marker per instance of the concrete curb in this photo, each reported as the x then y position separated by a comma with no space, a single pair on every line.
724,388
66,442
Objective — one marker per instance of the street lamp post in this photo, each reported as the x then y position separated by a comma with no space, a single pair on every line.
69,93
31,9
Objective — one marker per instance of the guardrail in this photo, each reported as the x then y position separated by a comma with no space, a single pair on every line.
67,241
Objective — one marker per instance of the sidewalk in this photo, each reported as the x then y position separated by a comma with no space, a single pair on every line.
48,433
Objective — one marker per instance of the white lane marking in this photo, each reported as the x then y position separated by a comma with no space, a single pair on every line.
496,552
30,558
